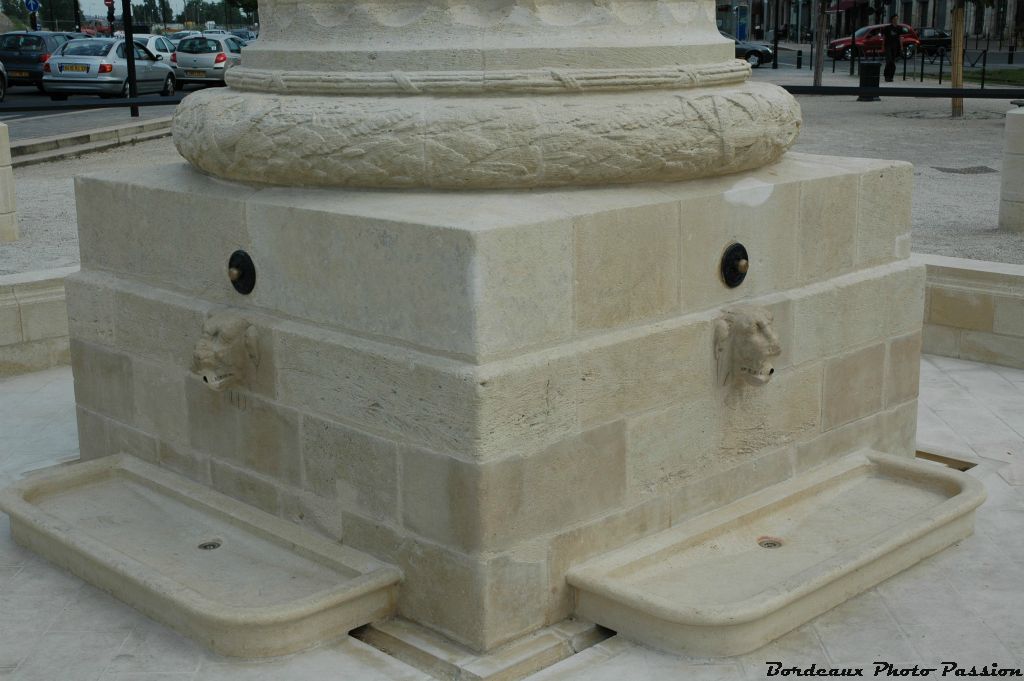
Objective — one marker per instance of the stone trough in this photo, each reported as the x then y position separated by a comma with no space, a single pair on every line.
732,580
228,575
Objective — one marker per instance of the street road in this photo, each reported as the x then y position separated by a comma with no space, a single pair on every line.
31,124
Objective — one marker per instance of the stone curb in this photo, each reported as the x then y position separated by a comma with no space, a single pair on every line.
42,149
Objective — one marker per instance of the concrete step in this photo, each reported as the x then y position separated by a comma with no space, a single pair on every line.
45,152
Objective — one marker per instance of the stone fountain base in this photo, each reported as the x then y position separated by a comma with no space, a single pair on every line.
485,389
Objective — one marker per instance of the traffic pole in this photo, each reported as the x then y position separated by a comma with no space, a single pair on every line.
129,52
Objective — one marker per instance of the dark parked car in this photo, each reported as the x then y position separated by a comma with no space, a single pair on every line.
754,54
23,54
935,40
869,41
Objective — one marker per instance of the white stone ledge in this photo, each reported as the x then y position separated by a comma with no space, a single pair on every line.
974,309
33,321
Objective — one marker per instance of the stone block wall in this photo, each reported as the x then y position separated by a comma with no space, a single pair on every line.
33,321
1011,194
974,310
8,217
486,389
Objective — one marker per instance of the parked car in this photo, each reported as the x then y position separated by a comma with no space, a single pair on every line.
205,60
157,44
98,66
754,54
3,83
175,38
935,40
215,31
23,54
869,41
244,35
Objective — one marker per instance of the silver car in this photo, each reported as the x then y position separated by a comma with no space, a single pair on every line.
157,44
205,59
98,66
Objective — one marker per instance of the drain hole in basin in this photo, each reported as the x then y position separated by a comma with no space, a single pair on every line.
769,542
209,545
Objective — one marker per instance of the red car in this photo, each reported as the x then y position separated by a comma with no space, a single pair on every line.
869,41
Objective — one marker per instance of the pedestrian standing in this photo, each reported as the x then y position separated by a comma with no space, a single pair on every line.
892,46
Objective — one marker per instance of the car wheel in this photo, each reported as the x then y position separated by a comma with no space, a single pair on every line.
848,54
3,88
754,59
908,51
124,89
169,87
39,86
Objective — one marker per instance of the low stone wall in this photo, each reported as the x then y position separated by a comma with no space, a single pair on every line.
974,310
33,321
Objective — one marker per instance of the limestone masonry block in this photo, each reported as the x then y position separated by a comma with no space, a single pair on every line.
10,317
188,462
961,308
856,309
903,369
147,244
626,266
1011,195
104,382
759,213
827,227
5,145
853,386
587,540
992,348
358,470
1012,177
238,484
90,303
1011,215
643,371
8,217
883,212
1014,132
160,405
245,430
482,507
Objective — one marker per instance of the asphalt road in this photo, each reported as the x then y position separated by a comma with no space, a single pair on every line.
32,124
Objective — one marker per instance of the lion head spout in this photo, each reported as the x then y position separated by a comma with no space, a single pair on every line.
226,351
744,345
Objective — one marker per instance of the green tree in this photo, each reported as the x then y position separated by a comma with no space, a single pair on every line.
15,9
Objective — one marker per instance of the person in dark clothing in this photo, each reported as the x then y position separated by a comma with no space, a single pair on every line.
892,46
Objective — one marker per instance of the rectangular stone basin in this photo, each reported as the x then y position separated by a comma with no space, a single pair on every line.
230,576
732,580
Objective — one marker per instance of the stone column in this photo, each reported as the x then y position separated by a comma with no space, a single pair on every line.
8,218
1011,195
499,94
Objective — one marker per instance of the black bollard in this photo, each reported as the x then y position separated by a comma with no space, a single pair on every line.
870,71
799,59
1009,53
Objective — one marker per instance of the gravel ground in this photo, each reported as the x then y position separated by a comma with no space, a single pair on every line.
954,213
45,196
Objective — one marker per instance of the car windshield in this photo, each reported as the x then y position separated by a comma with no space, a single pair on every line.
199,46
20,42
861,32
87,48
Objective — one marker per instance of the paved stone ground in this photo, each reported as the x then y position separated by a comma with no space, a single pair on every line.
964,605
954,214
